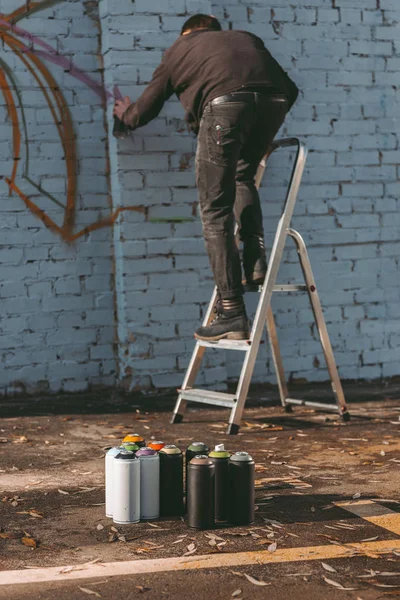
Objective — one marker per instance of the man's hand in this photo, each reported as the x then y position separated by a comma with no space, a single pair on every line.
120,107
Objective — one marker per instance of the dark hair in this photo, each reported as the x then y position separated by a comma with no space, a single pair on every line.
201,22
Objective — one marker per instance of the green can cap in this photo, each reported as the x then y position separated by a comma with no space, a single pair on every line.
241,457
130,446
126,455
198,447
219,452
170,449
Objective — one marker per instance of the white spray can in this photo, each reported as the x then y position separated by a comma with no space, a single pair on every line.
126,478
149,483
109,460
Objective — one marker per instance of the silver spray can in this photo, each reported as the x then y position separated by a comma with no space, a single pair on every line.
109,460
126,478
149,483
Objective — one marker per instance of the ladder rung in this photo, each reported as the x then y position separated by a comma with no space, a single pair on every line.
243,345
321,405
208,397
292,287
289,287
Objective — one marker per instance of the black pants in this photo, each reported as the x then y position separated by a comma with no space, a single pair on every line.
233,138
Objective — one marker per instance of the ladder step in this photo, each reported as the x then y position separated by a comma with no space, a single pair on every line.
311,404
208,397
289,287
243,345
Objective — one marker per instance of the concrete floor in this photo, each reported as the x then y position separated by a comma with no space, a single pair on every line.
52,490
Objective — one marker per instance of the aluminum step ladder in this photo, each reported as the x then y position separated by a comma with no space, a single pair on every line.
264,317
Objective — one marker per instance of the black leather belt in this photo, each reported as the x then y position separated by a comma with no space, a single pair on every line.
248,97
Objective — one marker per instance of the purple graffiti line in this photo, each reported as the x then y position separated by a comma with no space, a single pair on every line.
61,115
53,56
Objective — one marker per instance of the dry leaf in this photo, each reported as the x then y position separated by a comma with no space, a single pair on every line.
328,568
255,581
153,525
236,593
63,492
357,495
8,535
336,584
191,547
28,541
21,440
100,527
91,592
272,547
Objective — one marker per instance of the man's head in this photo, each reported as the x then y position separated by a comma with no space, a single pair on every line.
201,22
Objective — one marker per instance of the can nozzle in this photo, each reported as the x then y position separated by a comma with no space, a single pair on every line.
219,448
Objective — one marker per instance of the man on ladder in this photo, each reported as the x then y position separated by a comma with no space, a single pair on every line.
236,97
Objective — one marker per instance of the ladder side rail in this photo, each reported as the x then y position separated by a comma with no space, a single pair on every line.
277,357
194,366
319,320
272,272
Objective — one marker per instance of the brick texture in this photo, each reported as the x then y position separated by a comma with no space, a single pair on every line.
344,57
57,317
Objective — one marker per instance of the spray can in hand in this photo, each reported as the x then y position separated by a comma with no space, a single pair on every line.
220,458
120,130
201,492
171,481
109,464
195,449
126,483
241,489
149,483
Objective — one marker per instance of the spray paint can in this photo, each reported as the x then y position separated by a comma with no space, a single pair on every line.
220,458
120,130
201,492
136,439
149,483
241,489
109,464
126,483
130,446
156,445
171,481
195,449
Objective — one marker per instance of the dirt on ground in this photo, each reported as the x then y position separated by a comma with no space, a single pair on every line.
52,502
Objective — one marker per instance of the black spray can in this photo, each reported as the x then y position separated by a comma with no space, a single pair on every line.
241,489
120,130
220,458
201,493
195,449
171,481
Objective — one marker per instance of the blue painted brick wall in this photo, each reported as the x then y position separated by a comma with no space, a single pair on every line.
57,309
344,57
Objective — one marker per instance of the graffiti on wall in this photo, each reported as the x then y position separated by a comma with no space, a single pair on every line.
34,57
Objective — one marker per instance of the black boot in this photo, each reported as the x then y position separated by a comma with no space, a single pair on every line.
254,260
231,322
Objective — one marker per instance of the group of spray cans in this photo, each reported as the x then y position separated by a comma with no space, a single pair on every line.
146,482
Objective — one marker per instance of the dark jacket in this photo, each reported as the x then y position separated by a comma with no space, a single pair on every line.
205,64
